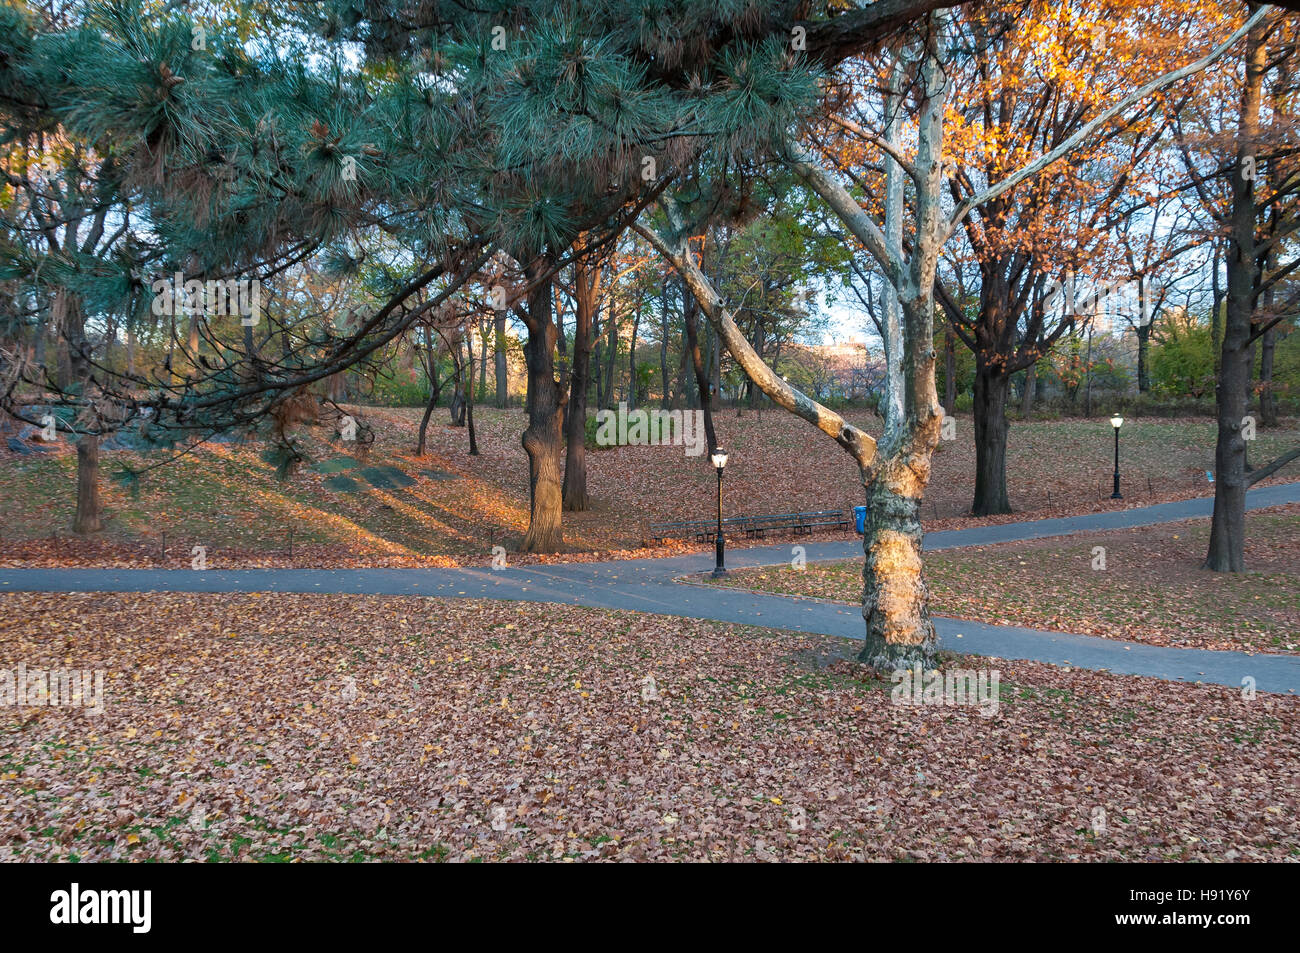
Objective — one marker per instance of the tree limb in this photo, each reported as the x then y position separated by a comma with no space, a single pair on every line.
860,445
1068,145
1259,473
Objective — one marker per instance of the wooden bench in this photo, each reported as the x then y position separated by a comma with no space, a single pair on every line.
705,530
835,519
804,522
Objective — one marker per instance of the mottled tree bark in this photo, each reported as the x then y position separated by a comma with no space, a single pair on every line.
895,600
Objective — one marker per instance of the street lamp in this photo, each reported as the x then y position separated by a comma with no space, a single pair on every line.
719,458
1116,422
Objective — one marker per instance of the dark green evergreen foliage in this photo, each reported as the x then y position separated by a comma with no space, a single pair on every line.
396,144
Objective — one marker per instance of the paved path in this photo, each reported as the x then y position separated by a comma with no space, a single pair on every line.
650,585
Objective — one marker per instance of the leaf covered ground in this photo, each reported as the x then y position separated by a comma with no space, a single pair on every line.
1152,588
304,727
456,508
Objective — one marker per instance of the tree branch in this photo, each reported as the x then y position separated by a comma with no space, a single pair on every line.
860,445
1068,145
1259,473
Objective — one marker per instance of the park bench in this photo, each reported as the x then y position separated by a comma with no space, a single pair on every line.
804,522
705,530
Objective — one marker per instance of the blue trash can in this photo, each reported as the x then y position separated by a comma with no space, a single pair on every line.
860,518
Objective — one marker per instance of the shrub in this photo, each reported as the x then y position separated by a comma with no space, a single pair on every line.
1182,364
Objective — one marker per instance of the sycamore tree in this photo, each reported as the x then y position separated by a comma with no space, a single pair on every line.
895,468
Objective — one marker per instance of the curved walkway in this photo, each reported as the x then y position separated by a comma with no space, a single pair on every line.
650,585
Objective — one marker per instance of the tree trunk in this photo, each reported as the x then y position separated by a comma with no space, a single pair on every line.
1267,399
1143,332
63,363
1031,384
895,597
1228,524
469,394
991,391
1216,314
949,370
679,380
89,515
611,358
542,438
702,383
435,389
69,329
42,334
1087,369
192,344
457,406
70,320
663,345
424,421
483,326
598,372
575,460
715,372
499,359
631,360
